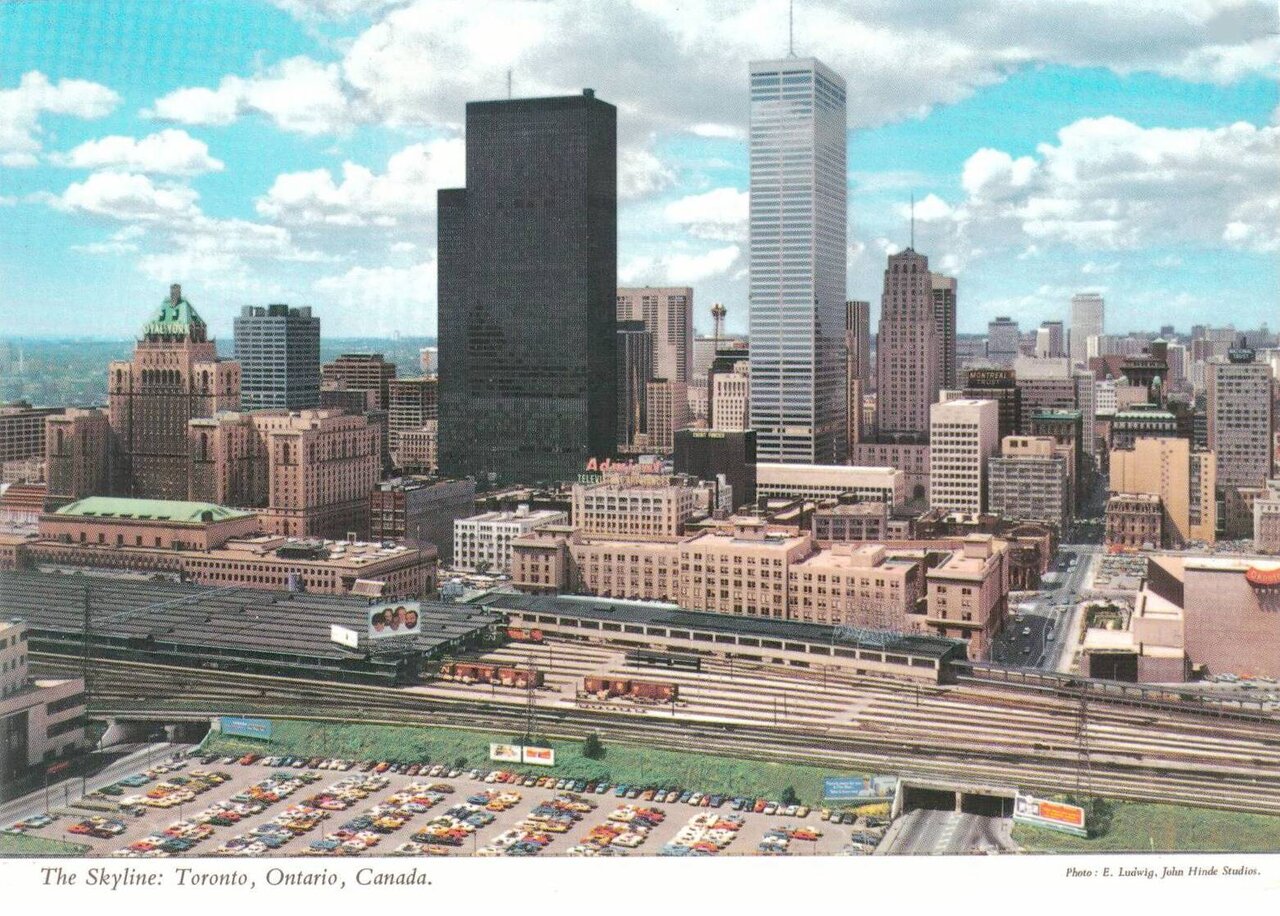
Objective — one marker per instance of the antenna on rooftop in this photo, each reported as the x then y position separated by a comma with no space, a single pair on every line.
508,82
791,28
913,221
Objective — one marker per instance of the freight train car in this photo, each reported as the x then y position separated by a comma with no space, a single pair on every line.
645,691
479,673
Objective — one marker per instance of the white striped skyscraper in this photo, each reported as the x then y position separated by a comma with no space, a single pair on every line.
797,287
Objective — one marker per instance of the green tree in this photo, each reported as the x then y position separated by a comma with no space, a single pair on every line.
593,747
789,796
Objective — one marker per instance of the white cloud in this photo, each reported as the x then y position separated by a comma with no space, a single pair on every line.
389,299
21,109
298,94
718,131
1109,184
128,197
678,267
169,152
641,173
407,189
719,214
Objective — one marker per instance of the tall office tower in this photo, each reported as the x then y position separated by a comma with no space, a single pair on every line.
1003,341
944,319
413,402
857,345
1086,321
1049,342
798,257
908,376
667,404
175,375
278,348
1240,418
963,434
667,313
360,372
635,369
528,282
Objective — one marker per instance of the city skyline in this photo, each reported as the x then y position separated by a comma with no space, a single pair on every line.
203,169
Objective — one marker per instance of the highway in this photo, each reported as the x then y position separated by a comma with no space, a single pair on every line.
974,732
926,832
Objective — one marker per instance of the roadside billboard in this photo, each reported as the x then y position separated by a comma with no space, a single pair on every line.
540,756
1027,809
858,788
507,753
396,618
344,636
245,727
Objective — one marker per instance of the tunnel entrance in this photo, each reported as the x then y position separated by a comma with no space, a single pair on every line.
917,797
986,805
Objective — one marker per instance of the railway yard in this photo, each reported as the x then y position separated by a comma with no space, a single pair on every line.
1037,739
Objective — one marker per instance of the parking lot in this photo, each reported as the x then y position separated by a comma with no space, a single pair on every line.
225,807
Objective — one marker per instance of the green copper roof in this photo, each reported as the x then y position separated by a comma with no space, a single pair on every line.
160,510
175,317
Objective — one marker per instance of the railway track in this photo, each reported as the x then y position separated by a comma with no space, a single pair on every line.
1241,773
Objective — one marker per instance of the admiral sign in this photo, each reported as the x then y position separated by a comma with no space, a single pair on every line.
1027,809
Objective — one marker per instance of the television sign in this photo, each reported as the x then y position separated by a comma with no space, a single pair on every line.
1027,809
246,728
395,618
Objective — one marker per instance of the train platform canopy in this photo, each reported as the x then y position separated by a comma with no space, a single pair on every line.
670,615
170,622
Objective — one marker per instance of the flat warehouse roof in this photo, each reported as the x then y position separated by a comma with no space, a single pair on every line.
198,616
660,615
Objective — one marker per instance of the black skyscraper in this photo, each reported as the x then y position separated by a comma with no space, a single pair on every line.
527,292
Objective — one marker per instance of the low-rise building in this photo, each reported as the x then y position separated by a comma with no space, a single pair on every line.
638,509
1135,521
41,720
834,521
214,545
1030,482
1266,519
420,510
828,481
482,543
969,593
911,458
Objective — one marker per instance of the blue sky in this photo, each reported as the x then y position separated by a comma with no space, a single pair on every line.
290,150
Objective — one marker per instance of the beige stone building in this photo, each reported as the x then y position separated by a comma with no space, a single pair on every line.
309,473
175,375
730,398
667,313
1183,479
214,545
668,413
969,593
633,509
859,585
77,455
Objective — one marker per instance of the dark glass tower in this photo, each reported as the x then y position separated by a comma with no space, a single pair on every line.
279,352
527,292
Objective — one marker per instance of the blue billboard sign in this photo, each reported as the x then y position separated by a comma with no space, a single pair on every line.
858,788
246,728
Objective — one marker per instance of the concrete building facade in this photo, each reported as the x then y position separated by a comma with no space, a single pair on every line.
963,435
667,314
